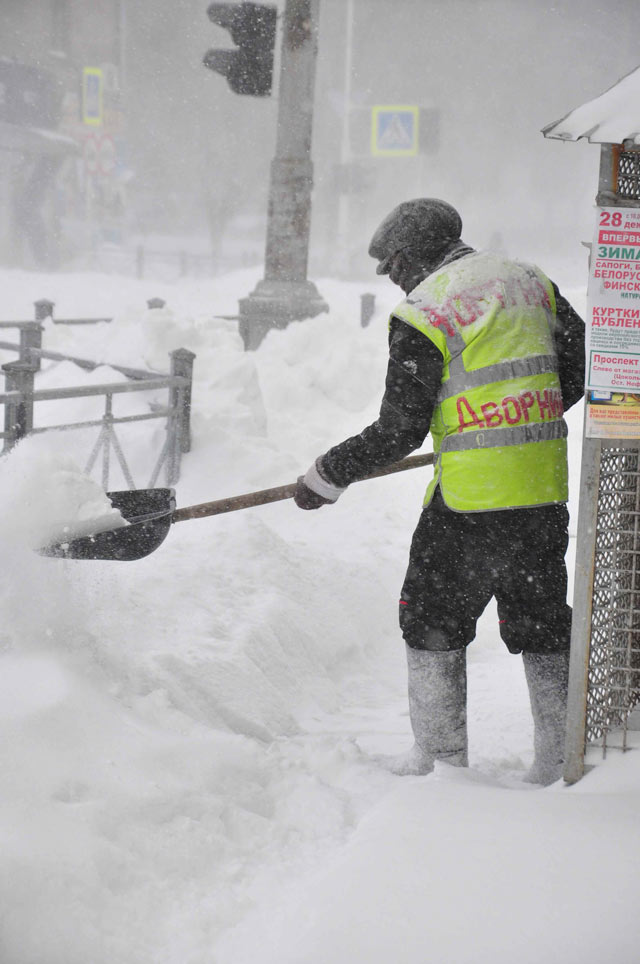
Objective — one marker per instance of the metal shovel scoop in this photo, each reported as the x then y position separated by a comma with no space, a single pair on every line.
150,513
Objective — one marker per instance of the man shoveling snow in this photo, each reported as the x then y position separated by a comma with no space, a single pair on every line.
486,354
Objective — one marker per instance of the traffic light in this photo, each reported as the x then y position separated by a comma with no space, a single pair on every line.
249,68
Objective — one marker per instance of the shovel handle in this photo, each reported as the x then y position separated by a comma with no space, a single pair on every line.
280,492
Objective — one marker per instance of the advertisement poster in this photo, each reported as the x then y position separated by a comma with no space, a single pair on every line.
613,326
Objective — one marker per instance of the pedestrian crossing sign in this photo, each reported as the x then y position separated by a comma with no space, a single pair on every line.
394,131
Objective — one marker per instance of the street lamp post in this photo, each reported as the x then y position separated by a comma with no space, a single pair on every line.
285,294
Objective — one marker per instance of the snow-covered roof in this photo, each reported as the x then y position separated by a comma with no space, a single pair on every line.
611,118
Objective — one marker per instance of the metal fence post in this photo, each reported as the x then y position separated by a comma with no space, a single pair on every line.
182,365
178,427
19,377
367,307
43,309
174,452
31,337
582,611
9,422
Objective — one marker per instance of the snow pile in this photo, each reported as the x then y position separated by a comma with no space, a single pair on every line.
186,740
46,498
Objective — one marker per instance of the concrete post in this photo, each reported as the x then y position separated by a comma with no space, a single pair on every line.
285,294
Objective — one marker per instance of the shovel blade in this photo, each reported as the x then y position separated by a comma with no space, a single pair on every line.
149,513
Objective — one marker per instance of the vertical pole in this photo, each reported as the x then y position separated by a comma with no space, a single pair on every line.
19,377
174,441
107,422
10,418
367,307
578,689
582,610
31,337
607,176
285,294
287,245
180,398
342,247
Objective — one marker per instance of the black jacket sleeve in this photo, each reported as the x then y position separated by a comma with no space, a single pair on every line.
414,374
570,348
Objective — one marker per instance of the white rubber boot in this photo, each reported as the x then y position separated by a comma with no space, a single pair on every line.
438,711
547,678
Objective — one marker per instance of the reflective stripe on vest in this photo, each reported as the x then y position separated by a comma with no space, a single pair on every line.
458,381
498,437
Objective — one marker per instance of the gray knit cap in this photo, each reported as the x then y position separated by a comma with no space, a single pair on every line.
423,224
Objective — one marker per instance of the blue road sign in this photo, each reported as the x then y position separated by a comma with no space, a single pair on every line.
394,131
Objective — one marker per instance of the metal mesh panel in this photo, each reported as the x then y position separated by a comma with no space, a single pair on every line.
628,182
614,663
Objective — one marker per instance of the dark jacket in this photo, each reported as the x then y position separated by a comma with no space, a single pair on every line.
414,375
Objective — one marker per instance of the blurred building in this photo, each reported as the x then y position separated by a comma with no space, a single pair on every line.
480,78
112,132
61,128
476,80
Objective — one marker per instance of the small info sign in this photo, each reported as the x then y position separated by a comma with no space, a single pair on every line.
613,326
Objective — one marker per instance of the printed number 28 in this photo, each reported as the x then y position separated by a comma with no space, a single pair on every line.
615,219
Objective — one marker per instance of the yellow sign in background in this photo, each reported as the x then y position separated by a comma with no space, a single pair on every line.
92,99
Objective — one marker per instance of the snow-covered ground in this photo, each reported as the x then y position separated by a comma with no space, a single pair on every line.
186,741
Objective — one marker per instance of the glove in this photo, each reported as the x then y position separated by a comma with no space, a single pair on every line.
313,490
306,498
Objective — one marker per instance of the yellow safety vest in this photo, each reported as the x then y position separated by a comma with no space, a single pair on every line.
498,431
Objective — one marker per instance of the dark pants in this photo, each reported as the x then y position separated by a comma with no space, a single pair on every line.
460,560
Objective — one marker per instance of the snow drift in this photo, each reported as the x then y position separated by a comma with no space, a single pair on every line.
186,740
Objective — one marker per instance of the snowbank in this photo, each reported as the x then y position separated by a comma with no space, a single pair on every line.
185,740
461,868
47,498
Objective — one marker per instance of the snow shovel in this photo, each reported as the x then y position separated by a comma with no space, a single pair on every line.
150,513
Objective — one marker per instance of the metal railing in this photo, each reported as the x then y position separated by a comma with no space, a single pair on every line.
21,399
604,678
614,666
